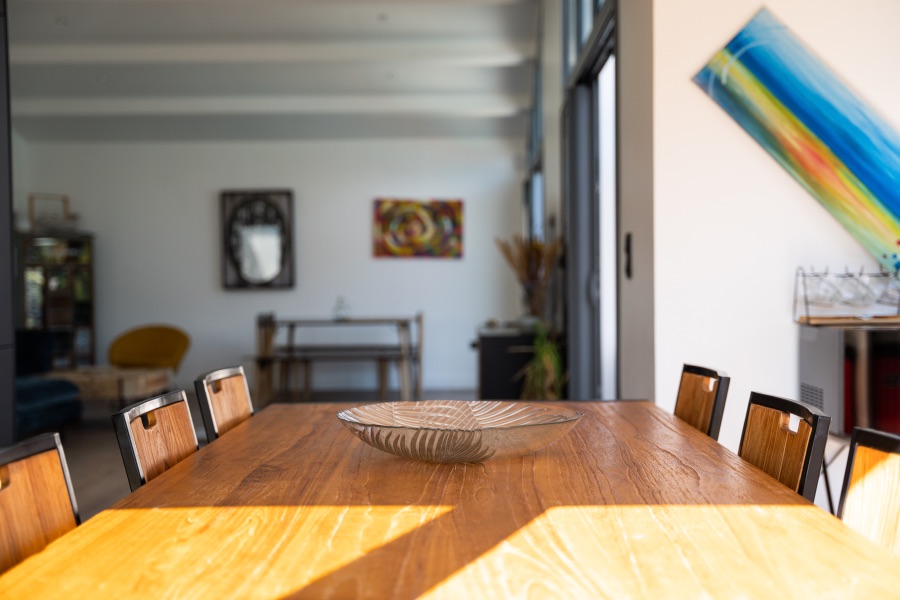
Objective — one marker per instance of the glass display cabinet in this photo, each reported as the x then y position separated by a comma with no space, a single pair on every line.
55,293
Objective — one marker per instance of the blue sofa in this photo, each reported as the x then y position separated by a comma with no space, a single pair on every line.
42,404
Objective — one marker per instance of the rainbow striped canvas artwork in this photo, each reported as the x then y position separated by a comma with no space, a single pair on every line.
838,148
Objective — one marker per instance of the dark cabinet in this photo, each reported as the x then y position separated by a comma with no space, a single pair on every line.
55,293
502,355
853,375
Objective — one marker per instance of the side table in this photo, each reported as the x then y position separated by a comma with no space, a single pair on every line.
118,387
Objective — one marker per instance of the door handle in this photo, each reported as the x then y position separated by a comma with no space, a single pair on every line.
593,290
628,255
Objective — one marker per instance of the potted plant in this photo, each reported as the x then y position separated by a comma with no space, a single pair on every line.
543,376
532,261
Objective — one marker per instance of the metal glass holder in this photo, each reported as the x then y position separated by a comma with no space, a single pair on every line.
848,298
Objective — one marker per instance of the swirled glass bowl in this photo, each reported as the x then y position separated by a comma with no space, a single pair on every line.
457,431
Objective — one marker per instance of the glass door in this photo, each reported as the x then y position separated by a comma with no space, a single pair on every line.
591,207
604,97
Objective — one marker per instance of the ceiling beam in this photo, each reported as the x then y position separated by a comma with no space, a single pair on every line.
460,105
498,53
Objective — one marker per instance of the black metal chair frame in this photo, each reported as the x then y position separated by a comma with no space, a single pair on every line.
122,424
205,402
718,411
35,445
870,438
815,449
827,462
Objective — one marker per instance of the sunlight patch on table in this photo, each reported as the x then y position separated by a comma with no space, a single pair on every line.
696,551
287,546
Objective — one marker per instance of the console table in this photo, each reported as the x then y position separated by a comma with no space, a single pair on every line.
281,350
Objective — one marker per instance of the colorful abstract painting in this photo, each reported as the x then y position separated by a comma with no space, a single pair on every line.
411,228
838,148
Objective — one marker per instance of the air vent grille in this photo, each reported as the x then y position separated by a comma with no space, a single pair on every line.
812,395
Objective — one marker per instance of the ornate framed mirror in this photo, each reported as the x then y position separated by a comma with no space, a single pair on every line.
258,239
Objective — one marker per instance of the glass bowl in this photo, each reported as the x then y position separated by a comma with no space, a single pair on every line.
457,431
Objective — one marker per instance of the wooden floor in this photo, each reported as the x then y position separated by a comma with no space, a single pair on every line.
95,463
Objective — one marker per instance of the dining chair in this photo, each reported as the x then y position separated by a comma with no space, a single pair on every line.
701,398
837,444
786,439
224,399
869,498
37,502
154,435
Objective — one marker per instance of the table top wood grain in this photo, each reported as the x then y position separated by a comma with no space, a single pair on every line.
632,503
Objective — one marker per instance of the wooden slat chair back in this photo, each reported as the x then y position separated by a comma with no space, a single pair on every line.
37,503
792,456
870,498
154,435
701,398
224,399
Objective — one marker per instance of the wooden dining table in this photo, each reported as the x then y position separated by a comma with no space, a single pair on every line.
631,503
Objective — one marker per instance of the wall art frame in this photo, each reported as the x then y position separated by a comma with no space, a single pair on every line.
257,239
815,126
404,228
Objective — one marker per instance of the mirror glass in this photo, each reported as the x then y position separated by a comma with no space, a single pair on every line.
258,248
260,253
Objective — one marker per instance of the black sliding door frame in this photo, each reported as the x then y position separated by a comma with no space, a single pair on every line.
581,193
7,332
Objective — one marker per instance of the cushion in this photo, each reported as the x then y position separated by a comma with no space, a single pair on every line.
44,404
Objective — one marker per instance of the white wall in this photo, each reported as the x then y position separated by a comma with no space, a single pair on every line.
730,225
155,211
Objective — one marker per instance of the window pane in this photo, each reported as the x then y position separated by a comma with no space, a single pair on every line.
536,217
585,20
607,231
570,36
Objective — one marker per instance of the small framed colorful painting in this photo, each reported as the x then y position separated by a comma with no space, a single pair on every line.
416,228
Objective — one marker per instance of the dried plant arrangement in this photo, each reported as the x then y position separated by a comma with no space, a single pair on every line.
532,261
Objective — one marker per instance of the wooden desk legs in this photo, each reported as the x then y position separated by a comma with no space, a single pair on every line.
382,379
285,371
307,380
288,374
402,375
403,369
264,383
405,382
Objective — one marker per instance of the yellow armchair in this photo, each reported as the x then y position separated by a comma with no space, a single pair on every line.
149,346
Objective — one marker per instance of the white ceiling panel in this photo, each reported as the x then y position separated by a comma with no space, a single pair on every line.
119,69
